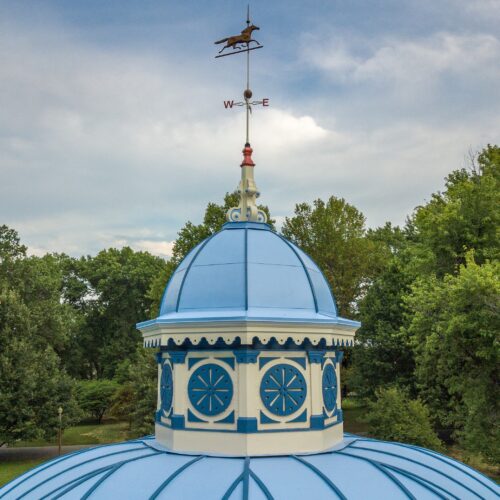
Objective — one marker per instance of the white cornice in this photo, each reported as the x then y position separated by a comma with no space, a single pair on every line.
158,334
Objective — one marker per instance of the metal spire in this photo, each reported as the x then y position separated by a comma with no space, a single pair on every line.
247,208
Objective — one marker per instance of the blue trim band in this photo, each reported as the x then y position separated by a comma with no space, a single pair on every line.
246,356
178,421
247,425
316,356
263,431
317,422
178,357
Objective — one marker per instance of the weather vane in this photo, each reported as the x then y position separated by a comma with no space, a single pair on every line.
247,209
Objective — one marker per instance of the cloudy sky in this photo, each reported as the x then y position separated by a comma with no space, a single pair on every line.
113,130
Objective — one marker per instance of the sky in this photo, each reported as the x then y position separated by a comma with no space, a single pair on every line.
113,130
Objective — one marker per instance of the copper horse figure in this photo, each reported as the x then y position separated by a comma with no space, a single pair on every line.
236,40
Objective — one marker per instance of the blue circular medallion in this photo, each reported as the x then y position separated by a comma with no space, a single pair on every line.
210,389
166,388
329,388
283,389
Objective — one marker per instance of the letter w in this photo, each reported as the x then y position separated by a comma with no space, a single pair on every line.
228,104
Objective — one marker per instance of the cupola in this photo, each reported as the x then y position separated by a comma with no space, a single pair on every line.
249,346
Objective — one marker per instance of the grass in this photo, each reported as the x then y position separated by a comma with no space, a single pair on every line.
353,412
475,461
107,432
10,470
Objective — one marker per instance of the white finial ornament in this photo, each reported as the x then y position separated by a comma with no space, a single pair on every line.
247,209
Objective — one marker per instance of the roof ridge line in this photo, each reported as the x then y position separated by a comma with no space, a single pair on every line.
304,267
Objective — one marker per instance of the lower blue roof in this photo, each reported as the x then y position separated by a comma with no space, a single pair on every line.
359,468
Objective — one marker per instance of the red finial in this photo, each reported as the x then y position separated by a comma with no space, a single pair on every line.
247,156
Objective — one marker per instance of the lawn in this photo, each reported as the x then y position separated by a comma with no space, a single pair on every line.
107,432
353,414
10,470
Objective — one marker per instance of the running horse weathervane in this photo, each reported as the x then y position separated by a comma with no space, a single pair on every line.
239,41
247,209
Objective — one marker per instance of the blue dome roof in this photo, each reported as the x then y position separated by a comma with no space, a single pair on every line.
358,468
247,271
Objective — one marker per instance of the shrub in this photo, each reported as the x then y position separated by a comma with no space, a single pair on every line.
396,417
96,396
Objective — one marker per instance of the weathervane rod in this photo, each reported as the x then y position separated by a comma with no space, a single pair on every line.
247,209
247,93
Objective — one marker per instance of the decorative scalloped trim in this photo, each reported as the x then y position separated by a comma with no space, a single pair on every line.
297,339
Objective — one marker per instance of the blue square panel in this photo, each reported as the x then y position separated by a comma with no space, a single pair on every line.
283,287
214,287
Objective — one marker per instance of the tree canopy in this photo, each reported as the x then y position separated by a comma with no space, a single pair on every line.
430,321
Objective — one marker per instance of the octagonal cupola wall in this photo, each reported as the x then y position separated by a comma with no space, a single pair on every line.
249,348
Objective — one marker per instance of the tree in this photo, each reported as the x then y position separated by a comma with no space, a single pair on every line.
393,416
454,330
431,246
96,396
34,327
32,384
333,233
11,251
110,290
382,355
137,396
465,216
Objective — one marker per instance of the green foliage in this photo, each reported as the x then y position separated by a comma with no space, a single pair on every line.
33,329
96,396
465,216
382,354
10,250
136,399
393,416
430,321
454,329
113,296
32,385
333,233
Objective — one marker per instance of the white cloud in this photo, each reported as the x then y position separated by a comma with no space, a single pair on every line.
411,62
160,248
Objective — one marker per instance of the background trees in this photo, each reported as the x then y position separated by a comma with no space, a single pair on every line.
430,319
454,330
112,297
33,331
